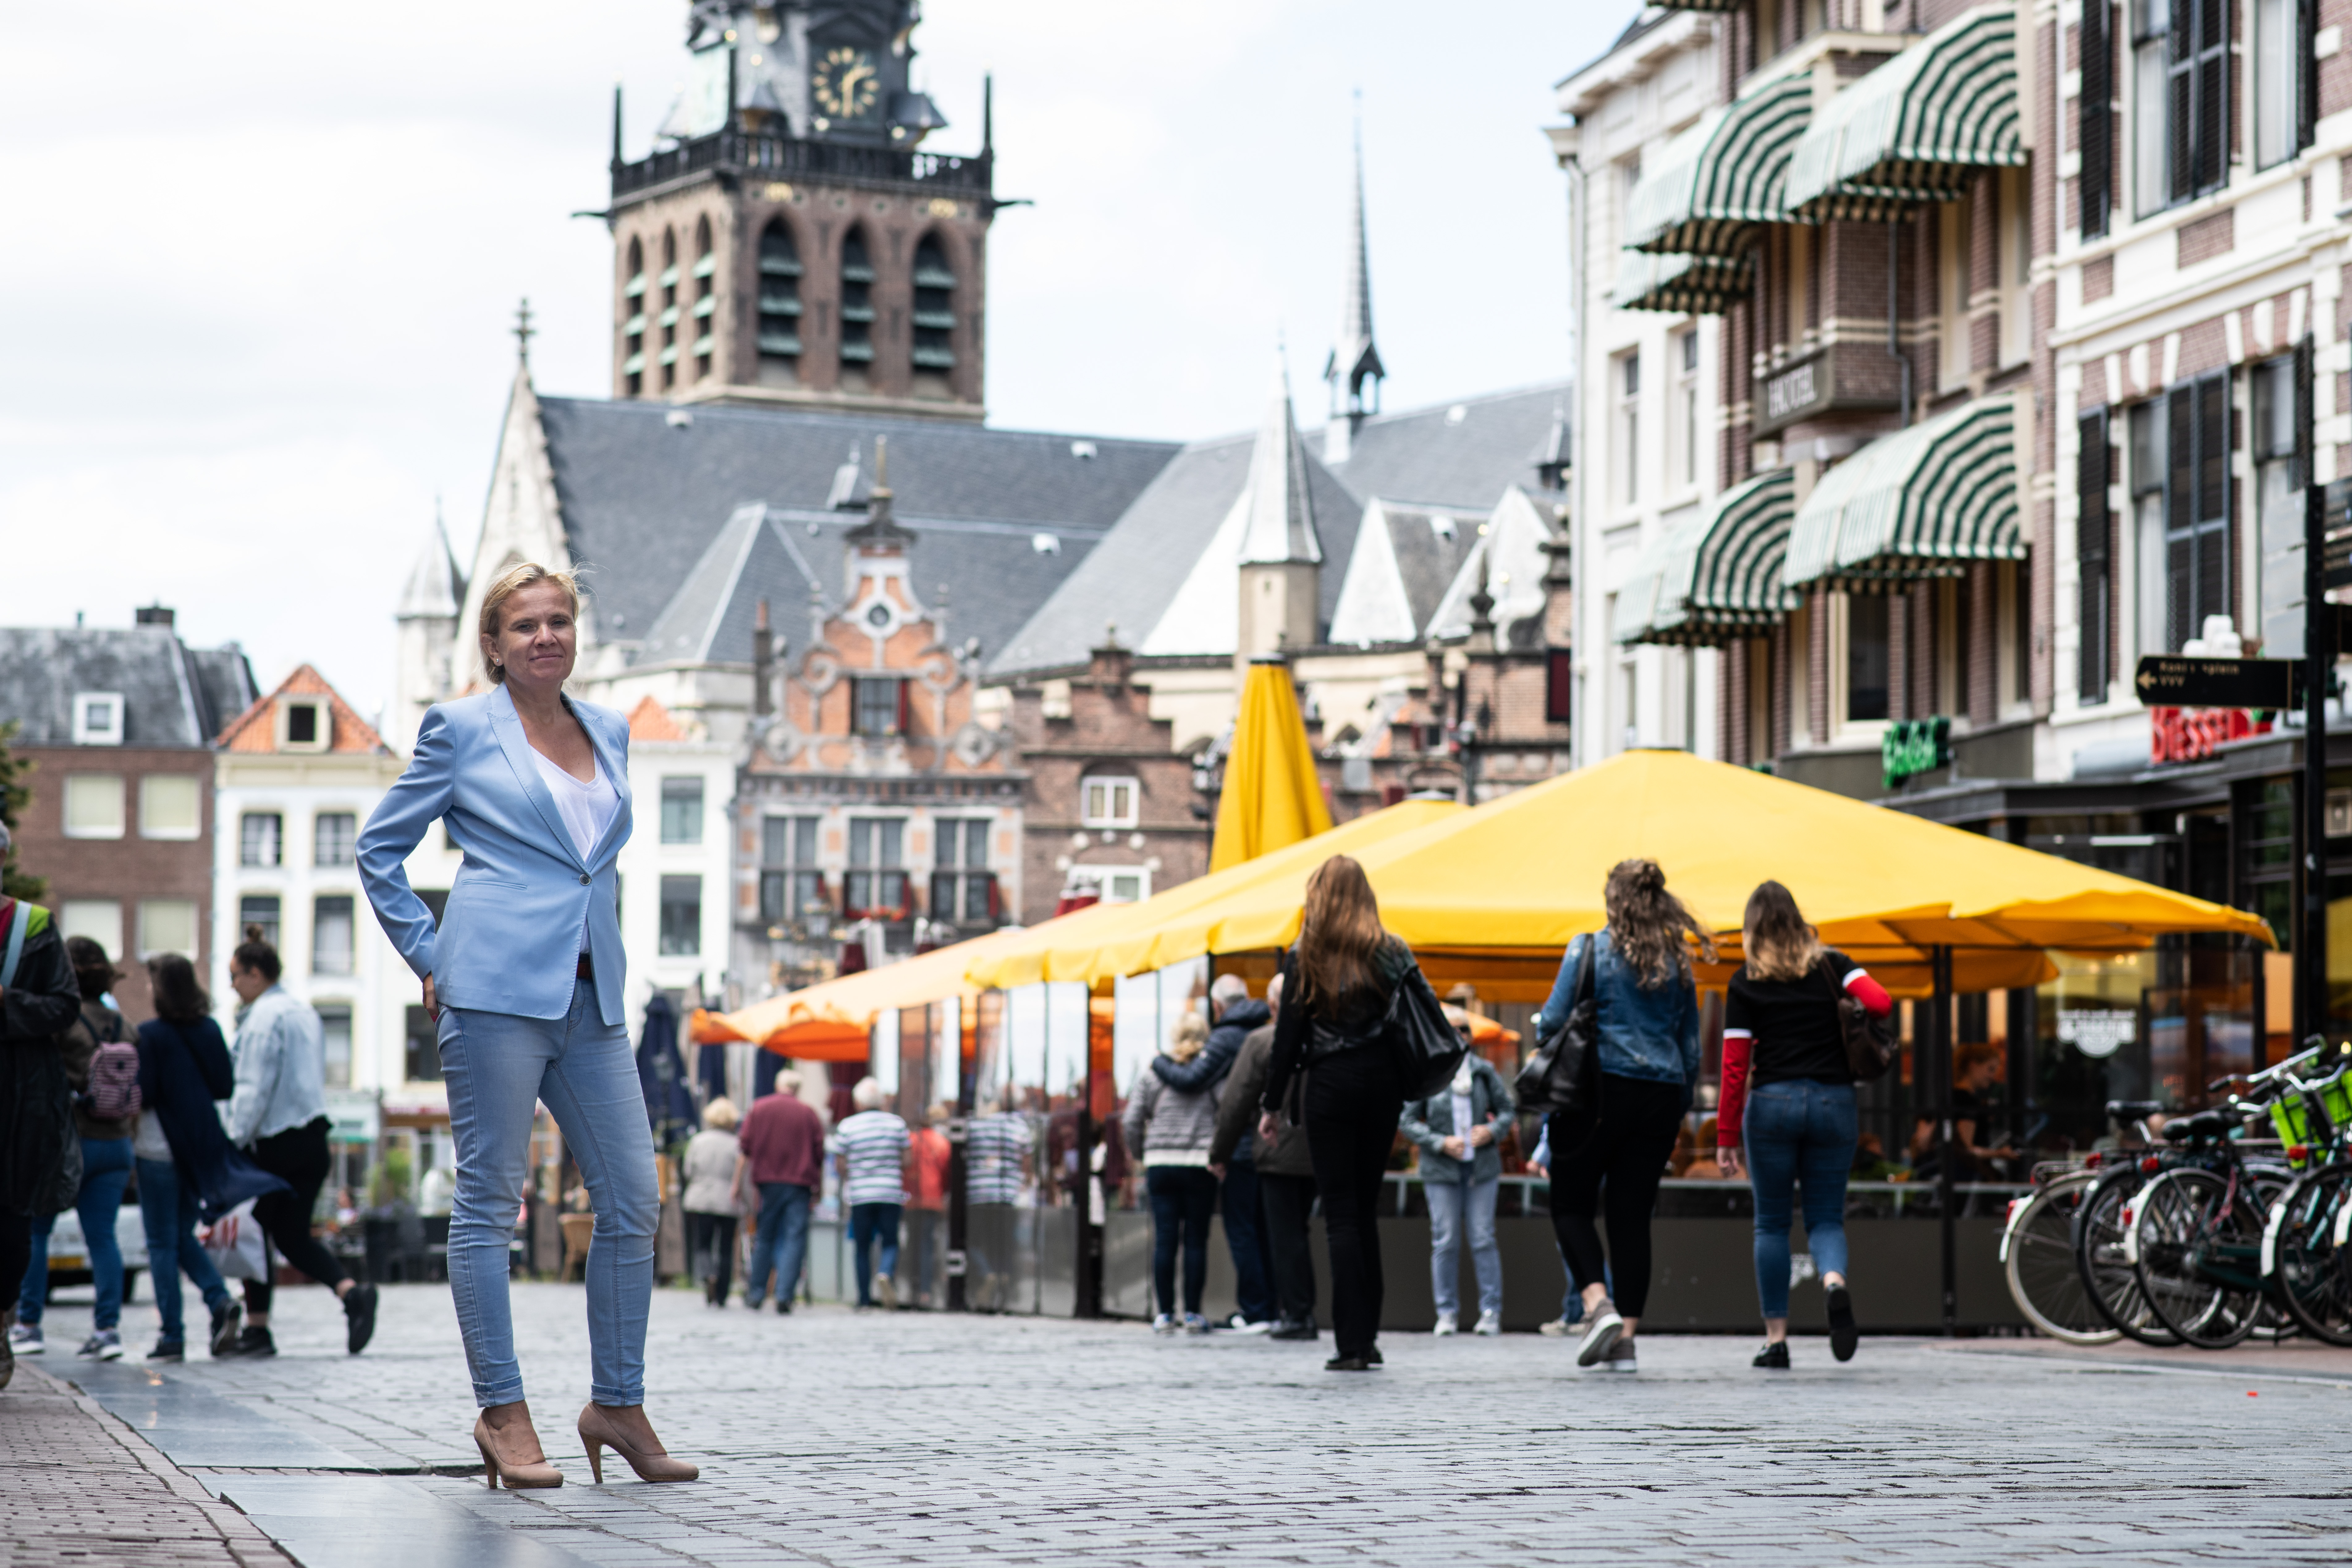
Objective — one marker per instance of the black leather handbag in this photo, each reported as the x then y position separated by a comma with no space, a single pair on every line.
1871,1046
1427,1049
1559,1075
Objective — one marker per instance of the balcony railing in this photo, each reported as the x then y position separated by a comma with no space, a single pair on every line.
784,157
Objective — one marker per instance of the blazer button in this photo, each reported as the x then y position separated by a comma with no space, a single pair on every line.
584,878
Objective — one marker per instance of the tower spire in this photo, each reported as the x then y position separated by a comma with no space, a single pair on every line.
523,330
1354,360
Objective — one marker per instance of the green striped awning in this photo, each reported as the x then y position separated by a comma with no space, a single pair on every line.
1717,577
1913,129
1922,502
1680,285
1720,180
1699,5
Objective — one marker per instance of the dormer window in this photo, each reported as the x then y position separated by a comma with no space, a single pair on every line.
98,718
303,725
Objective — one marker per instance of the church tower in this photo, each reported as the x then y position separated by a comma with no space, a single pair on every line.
786,242
1354,363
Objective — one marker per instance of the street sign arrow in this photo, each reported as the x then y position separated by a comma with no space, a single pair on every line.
2175,680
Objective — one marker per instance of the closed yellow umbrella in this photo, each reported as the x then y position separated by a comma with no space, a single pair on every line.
1525,873
1122,938
1272,798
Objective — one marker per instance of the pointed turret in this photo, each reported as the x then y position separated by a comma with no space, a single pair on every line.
1355,359
434,584
1280,552
427,635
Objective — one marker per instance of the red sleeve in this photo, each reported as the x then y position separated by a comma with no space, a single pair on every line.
1731,1106
1869,993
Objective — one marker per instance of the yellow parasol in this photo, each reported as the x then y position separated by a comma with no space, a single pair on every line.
1272,798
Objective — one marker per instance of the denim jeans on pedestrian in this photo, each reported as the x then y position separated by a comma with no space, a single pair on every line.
168,1207
782,1244
498,1066
1183,1200
1455,1207
105,1171
869,1224
1246,1238
1799,1129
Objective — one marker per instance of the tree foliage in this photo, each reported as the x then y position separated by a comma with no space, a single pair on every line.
15,794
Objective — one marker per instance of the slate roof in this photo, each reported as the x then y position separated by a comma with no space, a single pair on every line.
1427,455
645,498
1405,559
173,695
256,730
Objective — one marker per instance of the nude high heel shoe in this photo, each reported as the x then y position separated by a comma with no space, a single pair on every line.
599,1431
517,1474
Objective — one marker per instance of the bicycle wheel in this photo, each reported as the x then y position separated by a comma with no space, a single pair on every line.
2108,1281
2307,1258
2186,1226
2042,1279
2275,1321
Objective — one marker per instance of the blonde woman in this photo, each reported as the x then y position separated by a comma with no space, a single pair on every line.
1788,1094
525,975
1613,1149
1170,1130
712,1156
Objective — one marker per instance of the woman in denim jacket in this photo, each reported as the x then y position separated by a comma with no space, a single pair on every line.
1613,1149
1459,1132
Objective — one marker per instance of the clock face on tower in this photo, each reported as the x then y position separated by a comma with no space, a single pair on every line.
846,84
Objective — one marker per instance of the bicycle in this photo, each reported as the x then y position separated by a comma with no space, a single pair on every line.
2109,1282
2306,1258
2037,1255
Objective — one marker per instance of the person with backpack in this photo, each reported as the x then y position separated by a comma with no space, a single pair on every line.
1788,1096
102,1066
1338,981
40,1158
1611,1147
277,1114
187,1168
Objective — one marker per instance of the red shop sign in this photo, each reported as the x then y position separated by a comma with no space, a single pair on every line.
2190,734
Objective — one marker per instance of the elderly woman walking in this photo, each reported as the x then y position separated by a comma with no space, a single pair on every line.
1613,1150
713,1201
1172,1129
525,973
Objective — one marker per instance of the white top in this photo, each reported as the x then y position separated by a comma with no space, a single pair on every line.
587,809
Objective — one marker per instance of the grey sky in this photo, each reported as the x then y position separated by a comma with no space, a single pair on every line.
266,255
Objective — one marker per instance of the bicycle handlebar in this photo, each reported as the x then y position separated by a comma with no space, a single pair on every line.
2270,1074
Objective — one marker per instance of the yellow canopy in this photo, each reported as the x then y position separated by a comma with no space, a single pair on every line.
1272,798
1126,939
1525,873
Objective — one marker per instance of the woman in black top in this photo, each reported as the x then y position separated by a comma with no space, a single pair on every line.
1336,987
1787,1089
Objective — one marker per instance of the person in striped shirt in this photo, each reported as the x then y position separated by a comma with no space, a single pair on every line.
870,1149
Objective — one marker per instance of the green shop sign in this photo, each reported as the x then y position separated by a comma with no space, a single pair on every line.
1914,746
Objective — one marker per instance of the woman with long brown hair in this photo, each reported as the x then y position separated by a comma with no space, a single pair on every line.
1337,981
1788,1093
1612,1149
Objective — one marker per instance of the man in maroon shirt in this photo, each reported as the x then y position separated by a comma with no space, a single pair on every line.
784,1153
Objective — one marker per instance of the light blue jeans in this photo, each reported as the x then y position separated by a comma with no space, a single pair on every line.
106,1171
498,1068
167,1209
1453,1206
782,1244
1798,1130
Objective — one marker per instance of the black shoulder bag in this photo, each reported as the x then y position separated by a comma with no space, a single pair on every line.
1559,1076
1427,1049
1870,1043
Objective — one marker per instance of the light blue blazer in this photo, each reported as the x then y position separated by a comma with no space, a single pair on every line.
525,904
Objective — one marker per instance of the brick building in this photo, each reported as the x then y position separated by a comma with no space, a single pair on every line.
118,724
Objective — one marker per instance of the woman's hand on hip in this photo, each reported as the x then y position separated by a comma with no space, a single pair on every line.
432,1003
1727,1160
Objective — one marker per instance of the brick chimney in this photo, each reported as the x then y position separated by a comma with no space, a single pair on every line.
764,664
153,616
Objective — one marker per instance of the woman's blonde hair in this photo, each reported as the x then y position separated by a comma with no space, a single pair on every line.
1190,1037
1646,923
1337,932
509,582
1780,944
720,1113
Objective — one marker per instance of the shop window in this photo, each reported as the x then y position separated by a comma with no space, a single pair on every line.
93,805
335,1038
964,888
780,306
170,805
681,810
259,836
258,910
681,917
335,838
792,889
332,934
877,882
2181,133
1866,662
1110,802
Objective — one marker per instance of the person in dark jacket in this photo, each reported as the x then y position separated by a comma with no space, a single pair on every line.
1285,1173
187,1167
1341,975
38,1150
1235,1016
105,1171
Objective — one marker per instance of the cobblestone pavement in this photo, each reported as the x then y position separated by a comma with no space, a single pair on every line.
836,1438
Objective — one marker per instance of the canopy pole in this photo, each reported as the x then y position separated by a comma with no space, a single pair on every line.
2318,662
959,1168
1940,1051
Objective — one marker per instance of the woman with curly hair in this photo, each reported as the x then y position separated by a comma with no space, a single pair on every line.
1612,1149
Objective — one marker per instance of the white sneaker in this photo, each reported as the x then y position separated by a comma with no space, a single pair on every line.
1165,1323
25,1338
1489,1323
1242,1325
1599,1336
888,1289
1560,1327
1446,1325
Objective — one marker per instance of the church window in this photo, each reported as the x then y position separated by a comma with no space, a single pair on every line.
934,308
706,299
856,304
779,305
669,317
633,328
